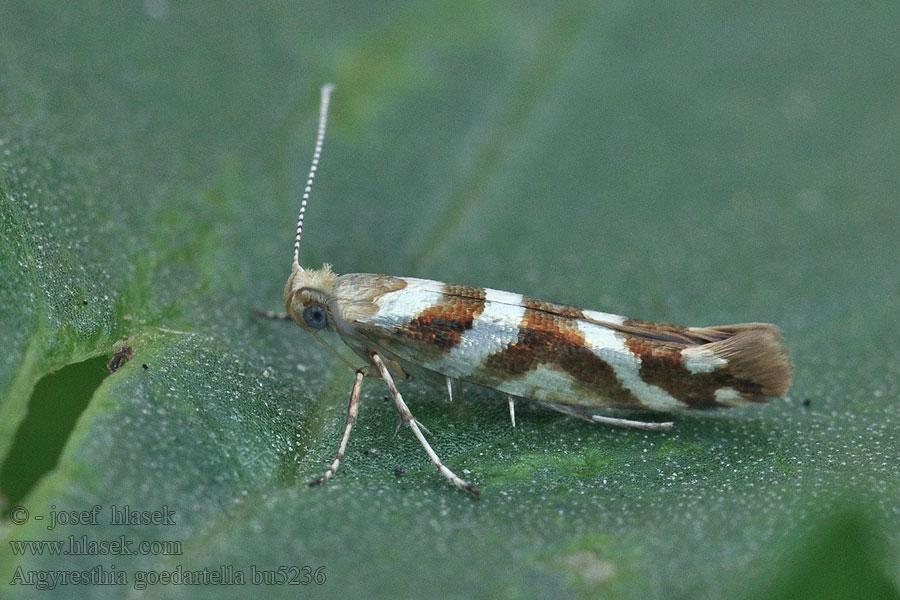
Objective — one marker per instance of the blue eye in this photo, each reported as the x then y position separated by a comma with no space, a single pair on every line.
315,316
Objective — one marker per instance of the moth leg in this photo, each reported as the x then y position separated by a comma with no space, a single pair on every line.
352,411
512,410
406,415
422,425
647,425
454,388
587,416
268,314
400,424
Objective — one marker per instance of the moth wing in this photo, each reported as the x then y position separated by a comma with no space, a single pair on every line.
561,354
430,325
746,361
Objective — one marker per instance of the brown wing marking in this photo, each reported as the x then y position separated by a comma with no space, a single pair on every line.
552,338
442,325
756,364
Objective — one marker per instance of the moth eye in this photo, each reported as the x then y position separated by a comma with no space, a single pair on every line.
315,316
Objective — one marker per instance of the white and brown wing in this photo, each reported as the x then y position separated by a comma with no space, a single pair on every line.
556,353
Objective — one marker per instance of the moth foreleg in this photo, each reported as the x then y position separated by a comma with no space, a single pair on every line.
352,412
408,418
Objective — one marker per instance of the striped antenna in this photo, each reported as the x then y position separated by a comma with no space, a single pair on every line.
320,138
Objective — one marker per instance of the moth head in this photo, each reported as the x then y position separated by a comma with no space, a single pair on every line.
309,296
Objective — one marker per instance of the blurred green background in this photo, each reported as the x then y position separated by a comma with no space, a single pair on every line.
699,163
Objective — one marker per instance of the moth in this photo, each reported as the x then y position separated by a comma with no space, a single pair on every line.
577,361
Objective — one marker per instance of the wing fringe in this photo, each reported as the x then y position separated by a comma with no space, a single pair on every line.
754,352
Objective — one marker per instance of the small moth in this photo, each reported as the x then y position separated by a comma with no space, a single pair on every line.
573,360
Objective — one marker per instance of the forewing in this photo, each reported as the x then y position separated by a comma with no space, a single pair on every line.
565,355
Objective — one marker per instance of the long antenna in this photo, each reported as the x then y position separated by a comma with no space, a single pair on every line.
320,138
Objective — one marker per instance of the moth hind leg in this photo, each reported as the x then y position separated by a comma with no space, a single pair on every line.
618,422
646,425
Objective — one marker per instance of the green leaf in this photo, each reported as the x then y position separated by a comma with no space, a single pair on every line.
693,164
842,558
